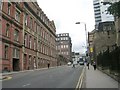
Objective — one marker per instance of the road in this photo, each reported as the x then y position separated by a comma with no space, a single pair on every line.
58,77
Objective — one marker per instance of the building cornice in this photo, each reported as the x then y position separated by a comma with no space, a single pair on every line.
11,42
11,20
37,17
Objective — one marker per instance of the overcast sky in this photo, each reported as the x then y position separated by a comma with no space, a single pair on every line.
66,13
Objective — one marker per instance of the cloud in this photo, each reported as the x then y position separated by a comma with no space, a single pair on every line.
65,13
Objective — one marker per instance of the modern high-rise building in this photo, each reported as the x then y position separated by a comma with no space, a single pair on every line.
64,45
100,11
111,1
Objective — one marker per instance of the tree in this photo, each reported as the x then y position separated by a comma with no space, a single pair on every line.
114,9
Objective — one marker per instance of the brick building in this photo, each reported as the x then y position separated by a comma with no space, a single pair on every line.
39,38
28,37
64,45
12,28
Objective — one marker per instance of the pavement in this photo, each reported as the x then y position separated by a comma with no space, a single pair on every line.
98,79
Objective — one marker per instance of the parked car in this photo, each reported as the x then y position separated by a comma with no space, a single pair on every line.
69,63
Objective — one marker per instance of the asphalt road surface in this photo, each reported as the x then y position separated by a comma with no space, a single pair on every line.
58,77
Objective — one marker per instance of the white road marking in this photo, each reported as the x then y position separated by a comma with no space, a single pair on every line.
26,85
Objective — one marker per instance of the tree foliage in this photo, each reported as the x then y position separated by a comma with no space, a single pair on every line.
114,9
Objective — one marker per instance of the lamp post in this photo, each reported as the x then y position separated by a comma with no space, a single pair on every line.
85,33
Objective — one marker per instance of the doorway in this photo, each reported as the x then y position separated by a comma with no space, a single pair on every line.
16,64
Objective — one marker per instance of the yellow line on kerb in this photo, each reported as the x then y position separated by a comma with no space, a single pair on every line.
79,84
7,78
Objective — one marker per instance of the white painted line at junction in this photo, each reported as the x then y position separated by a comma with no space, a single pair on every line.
26,85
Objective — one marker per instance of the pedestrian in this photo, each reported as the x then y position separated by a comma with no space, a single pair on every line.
88,65
73,65
94,65
28,68
48,65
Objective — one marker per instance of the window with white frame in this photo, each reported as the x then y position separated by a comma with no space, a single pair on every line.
34,44
43,49
7,30
66,46
43,33
61,46
25,39
6,52
35,65
30,60
38,45
67,53
66,34
25,59
16,53
37,29
17,15
35,26
30,42
56,47
16,35
9,5
1,4
66,38
31,23
47,51
26,19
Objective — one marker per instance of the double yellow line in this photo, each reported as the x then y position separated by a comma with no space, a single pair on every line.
80,81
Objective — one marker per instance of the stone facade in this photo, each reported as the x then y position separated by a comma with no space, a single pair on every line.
117,26
91,45
103,39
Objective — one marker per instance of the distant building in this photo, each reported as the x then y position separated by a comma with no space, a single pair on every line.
75,57
91,43
64,45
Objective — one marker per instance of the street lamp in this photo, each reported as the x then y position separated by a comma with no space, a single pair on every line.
85,33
